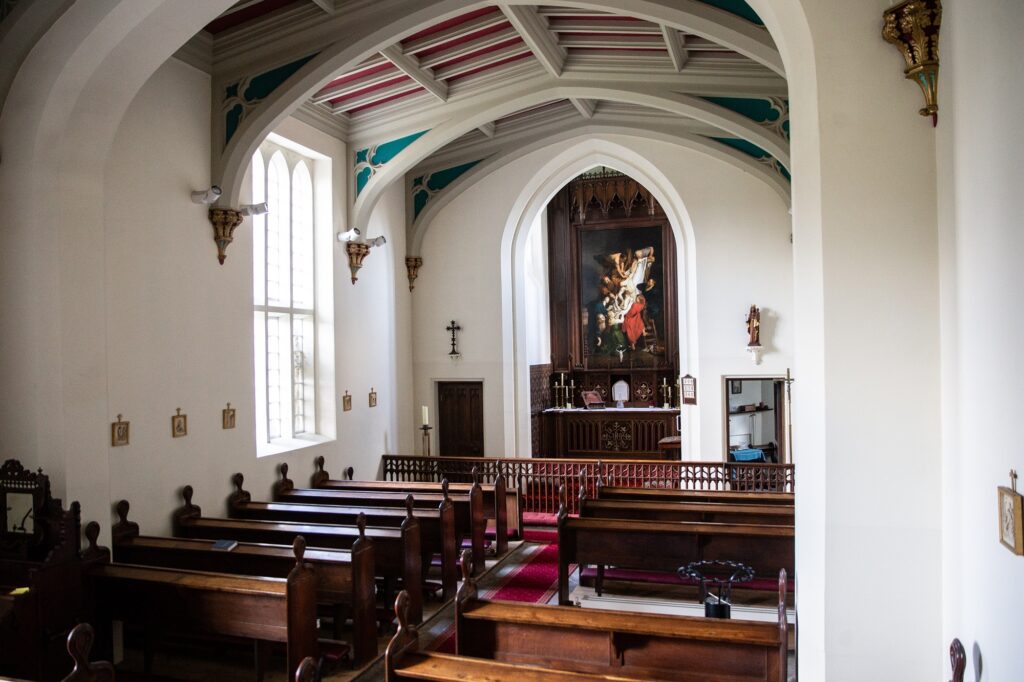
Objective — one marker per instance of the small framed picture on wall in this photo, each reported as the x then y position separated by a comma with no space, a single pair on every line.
227,417
1011,516
179,425
119,432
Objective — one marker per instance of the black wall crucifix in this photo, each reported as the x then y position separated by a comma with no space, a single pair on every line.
453,328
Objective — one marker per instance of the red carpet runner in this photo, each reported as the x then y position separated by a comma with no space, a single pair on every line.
534,582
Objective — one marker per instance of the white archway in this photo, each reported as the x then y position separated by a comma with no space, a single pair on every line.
587,151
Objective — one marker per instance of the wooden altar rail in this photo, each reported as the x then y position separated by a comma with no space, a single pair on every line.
540,479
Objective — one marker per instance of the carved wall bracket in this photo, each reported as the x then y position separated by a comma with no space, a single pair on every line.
412,268
913,27
224,221
357,252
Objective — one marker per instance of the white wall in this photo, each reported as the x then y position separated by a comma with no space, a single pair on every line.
981,156
742,252
538,317
179,325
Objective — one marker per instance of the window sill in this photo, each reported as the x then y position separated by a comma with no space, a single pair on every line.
280,446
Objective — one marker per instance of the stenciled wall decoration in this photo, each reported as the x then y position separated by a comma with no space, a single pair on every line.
369,160
179,424
242,96
119,432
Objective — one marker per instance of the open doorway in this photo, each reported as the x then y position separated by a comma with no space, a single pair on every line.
754,412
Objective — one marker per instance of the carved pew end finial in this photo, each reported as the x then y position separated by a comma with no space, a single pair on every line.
319,463
444,487
409,502
467,565
299,549
350,473
476,474
361,525
186,494
308,671
237,480
283,469
122,510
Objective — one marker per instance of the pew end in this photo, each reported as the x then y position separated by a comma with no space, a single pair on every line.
123,529
284,484
186,511
308,671
240,495
406,639
957,660
319,474
93,553
80,641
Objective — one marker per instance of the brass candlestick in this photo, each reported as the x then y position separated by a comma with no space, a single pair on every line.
426,439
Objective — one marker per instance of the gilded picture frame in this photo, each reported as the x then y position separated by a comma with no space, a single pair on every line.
120,433
1011,520
373,398
346,402
227,417
179,425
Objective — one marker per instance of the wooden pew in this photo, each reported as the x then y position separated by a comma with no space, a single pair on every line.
667,545
437,525
470,520
262,609
647,646
501,504
344,578
609,492
397,554
403,661
703,512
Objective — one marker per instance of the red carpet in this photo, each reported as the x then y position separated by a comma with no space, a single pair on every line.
533,582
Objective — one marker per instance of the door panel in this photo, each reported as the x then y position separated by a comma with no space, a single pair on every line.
461,418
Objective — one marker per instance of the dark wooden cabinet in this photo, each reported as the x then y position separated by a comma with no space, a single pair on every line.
460,418
608,434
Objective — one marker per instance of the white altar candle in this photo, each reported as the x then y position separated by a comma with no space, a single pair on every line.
426,416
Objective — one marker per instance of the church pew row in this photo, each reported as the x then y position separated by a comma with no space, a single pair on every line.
266,610
404,662
610,492
345,579
664,546
647,646
703,512
438,533
503,505
397,554
471,518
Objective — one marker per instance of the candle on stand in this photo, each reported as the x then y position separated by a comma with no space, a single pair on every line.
426,416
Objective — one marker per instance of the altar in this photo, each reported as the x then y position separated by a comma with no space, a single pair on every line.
611,433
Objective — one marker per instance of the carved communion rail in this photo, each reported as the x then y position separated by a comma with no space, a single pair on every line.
540,479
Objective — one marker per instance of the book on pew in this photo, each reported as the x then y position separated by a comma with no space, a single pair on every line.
224,545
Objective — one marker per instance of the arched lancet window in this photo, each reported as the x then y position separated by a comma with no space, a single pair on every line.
284,296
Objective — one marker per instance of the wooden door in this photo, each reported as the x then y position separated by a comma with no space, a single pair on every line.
460,425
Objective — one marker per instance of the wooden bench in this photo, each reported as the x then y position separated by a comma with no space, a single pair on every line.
647,646
502,504
344,578
667,545
470,517
703,512
608,492
397,555
403,661
161,599
437,524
